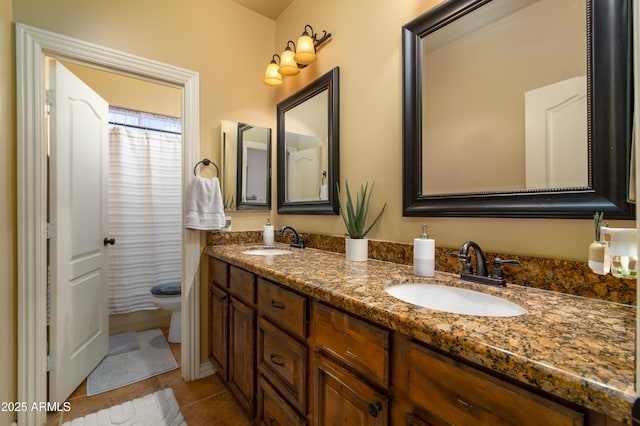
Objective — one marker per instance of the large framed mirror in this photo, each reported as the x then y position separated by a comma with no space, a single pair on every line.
517,108
246,166
308,148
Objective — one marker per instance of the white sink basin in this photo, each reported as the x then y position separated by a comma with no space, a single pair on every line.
266,252
455,300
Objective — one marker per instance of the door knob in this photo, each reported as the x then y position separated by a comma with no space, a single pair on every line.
109,241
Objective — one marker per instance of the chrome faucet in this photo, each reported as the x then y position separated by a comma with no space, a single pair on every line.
296,240
481,276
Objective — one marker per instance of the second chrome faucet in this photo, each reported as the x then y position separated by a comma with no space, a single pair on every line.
296,239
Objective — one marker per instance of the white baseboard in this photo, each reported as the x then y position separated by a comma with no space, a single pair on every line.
206,369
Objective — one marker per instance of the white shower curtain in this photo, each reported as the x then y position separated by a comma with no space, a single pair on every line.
145,215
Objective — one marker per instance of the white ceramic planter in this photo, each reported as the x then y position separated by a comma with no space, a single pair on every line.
357,249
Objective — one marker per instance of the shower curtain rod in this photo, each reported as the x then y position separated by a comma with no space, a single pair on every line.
133,126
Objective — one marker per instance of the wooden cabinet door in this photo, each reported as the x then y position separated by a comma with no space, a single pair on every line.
242,354
219,330
341,398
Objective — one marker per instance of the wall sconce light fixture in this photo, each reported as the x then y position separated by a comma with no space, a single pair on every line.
293,59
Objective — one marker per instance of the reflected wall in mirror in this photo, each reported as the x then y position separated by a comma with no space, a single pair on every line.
308,132
246,166
516,108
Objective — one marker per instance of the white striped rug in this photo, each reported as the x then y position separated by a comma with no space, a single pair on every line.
157,409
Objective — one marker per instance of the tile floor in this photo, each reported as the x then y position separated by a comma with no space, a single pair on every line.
206,402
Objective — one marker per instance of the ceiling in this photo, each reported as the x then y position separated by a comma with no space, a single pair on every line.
269,8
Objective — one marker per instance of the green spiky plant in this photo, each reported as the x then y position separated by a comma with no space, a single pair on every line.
355,215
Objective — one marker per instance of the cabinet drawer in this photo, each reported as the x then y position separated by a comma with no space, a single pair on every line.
284,308
242,284
463,395
283,361
273,410
361,345
341,398
219,272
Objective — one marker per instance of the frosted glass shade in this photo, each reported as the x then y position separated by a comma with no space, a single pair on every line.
305,50
288,65
272,77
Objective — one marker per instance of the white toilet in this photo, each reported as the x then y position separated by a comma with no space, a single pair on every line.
169,297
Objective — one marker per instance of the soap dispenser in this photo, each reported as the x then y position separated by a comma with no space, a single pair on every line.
267,234
424,255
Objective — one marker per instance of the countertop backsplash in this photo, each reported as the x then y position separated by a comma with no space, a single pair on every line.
565,276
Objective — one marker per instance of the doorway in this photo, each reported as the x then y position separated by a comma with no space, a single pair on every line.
33,45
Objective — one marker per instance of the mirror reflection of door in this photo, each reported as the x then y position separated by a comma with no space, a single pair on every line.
477,71
254,184
303,172
306,137
556,155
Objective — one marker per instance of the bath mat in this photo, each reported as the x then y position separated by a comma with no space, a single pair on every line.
152,357
159,408
125,342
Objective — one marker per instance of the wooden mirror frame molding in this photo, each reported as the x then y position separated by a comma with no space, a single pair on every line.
329,82
609,126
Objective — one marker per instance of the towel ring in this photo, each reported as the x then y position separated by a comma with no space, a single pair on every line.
206,162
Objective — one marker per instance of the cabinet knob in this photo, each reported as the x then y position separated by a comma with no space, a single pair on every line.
374,408
277,305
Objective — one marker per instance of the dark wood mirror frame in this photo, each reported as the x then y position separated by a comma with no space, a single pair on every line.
330,83
242,205
609,90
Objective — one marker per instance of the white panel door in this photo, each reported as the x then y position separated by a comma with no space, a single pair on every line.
556,154
79,329
303,183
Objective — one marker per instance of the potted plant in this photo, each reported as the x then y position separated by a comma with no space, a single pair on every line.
355,217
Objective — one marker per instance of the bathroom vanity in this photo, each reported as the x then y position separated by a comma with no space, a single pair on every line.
310,338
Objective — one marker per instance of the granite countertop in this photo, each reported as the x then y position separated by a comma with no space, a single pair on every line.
581,350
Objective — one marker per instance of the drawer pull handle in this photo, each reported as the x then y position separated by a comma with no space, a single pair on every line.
374,408
275,359
271,420
466,404
277,305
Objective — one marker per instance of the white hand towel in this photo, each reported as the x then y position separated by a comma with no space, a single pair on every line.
205,210
324,192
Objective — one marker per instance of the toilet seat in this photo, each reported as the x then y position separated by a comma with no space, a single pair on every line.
165,290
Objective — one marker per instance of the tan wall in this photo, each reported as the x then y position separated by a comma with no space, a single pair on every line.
8,323
367,46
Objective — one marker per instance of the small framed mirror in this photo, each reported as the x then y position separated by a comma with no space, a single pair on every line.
246,166
308,154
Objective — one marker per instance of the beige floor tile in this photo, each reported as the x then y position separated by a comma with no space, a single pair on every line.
189,392
218,410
